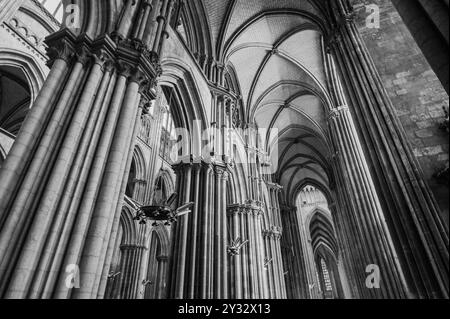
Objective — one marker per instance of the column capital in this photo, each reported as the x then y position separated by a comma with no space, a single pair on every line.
62,50
273,232
124,68
221,171
178,167
245,209
84,56
337,112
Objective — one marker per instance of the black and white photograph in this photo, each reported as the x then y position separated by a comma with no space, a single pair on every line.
228,156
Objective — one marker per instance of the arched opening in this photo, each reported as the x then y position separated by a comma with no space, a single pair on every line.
323,274
161,192
322,251
137,178
156,273
181,26
326,286
131,184
168,137
21,78
329,278
15,99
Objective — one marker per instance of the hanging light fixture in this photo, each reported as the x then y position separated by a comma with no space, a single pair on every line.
166,211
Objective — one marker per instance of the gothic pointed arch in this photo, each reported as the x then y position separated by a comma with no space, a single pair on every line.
137,178
159,250
164,187
192,24
34,73
179,84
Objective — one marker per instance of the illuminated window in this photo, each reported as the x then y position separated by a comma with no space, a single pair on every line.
168,138
55,7
326,276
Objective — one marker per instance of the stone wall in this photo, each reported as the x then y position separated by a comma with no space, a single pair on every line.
415,90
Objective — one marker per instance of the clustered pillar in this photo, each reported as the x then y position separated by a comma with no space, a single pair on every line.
249,278
97,105
65,177
272,235
412,214
364,220
293,255
199,259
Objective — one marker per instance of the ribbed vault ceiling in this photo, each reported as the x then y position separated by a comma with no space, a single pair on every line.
275,49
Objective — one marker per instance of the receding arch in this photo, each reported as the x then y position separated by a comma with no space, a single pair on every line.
156,277
164,186
322,231
34,71
178,81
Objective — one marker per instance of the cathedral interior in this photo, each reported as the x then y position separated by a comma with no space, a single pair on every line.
224,149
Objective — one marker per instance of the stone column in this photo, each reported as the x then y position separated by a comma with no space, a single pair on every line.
113,226
347,293
365,211
180,233
206,222
64,178
272,239
308,253
296,277
274,267
162,277
113,277
74,150
201,236
411,212
130,276
247,266
345,241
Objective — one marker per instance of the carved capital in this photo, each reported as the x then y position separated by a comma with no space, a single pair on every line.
219,170
62,50
197,167
109,66
145,105
137,76
125,69
102,58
